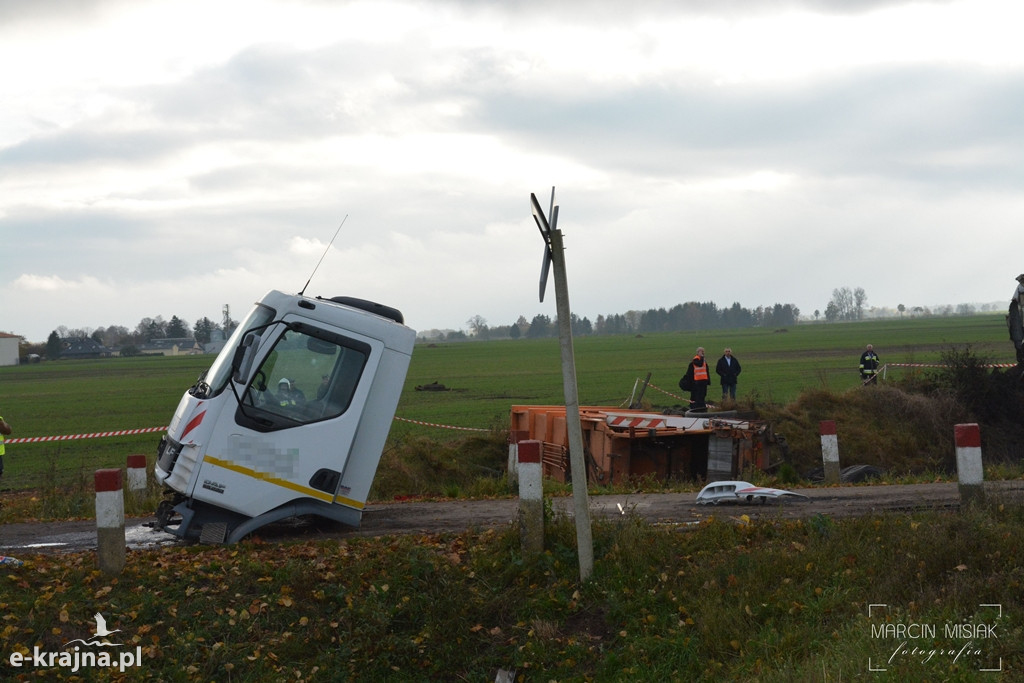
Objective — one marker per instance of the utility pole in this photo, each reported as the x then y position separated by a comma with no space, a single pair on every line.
554,254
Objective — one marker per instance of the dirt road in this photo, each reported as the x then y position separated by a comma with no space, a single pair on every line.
382,519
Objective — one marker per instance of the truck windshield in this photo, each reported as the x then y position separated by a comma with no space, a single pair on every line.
309,375
220,371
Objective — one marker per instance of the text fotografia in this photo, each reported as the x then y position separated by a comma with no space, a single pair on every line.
964,643
76,660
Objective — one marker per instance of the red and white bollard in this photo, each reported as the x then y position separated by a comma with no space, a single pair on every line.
531,497
830,451
110,521
515,436
969,468
137,475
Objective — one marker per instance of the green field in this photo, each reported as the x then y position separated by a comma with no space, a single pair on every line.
488,377
733,598
485,378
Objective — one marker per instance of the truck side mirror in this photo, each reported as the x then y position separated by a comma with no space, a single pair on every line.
241,364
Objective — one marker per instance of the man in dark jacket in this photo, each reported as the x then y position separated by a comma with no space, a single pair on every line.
728,369
869,365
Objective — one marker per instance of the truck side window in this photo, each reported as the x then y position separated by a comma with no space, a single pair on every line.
309,375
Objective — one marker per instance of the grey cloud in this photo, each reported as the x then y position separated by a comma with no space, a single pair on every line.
18,11
601,11
82,144
887,124
283,93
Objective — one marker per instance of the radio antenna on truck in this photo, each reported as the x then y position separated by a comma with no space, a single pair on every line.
324,254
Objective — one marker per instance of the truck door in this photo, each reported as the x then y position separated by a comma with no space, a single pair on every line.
301,408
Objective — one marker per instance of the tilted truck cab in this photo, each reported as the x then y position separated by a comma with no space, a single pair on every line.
290,419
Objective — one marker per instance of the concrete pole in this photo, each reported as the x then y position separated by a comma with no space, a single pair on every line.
830,451
137,475
110,521
531,498
581,502
969,469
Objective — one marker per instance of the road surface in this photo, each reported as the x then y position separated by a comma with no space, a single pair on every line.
432,517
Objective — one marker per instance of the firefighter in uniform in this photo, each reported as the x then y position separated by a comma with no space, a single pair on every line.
1015,319
869,365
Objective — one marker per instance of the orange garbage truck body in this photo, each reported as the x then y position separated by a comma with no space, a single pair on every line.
621,444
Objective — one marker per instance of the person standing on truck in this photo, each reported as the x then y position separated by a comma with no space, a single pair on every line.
1015,319
697,378
869,365
1018,294
5,430
728,369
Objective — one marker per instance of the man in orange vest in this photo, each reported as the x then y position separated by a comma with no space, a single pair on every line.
697,372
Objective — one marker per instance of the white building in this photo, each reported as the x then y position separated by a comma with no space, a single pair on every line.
8,349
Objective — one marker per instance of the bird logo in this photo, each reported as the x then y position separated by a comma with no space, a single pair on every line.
101,634
101,626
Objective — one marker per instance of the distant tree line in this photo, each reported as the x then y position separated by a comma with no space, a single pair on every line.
152,328
690,316
129,340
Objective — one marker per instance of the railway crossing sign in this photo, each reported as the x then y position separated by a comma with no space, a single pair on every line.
546,229
554,254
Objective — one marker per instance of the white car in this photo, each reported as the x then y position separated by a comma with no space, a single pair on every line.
741,492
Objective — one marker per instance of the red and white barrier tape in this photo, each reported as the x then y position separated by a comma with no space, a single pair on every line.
939,365
147,430
684,400
431,424
75,437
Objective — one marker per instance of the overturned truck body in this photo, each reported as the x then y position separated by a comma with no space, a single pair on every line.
621,444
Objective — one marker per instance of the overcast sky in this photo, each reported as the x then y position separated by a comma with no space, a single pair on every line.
168,158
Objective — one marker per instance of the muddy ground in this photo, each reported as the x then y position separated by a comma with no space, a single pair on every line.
382,519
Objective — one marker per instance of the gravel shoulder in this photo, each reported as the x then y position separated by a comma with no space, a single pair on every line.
432,517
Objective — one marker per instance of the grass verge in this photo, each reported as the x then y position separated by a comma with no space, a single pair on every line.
729,599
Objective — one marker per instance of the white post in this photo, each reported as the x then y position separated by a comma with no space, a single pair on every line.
830,451
969,469
531,497
577,461
137,475
110,521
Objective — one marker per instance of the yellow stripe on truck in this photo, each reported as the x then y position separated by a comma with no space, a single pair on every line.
263,476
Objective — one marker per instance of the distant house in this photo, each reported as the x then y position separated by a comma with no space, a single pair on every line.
8,349
171,347
72,348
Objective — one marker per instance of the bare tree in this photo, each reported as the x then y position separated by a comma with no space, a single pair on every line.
859,299
478,326
151,328
842,297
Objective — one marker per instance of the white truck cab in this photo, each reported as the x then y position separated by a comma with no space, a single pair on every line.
290,419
